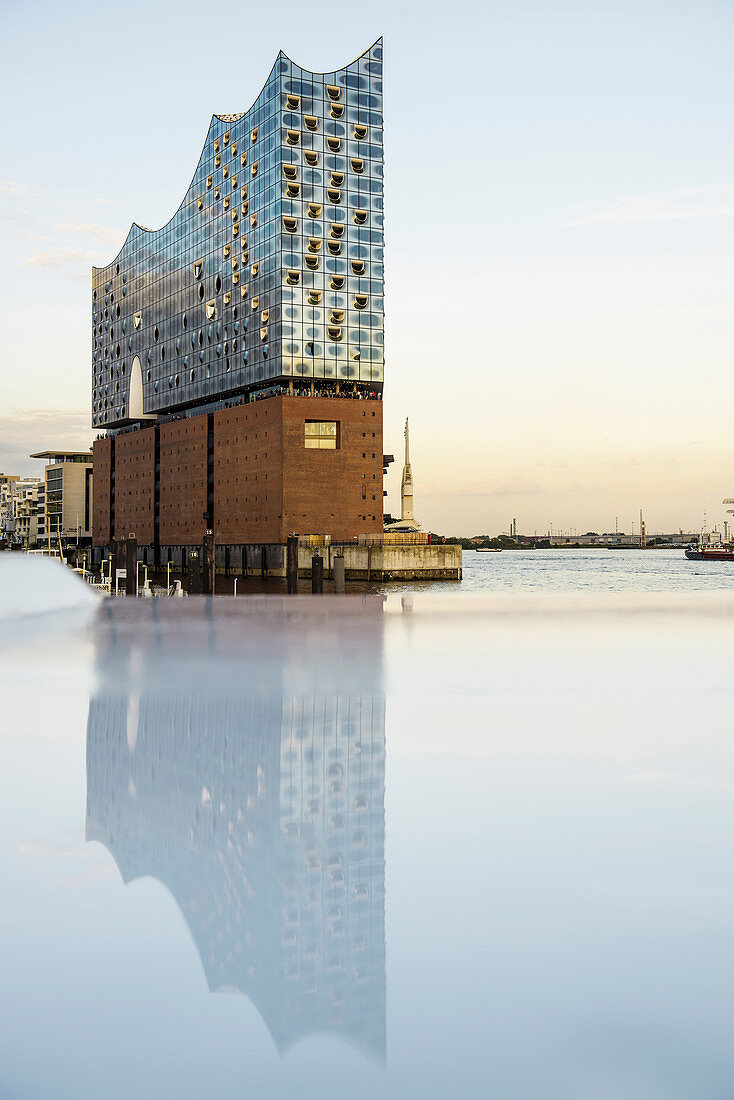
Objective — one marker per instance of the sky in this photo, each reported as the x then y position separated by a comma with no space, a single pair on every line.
559,193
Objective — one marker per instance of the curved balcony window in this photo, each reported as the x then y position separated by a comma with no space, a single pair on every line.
225,172
292,137
334,195
333,91
293,190
217,160
334,247
355,354
199,203
253,135
334,144
264,333
360,217
314,244
253,220
314,210
255,304
293,277
256,267
290,171
314,297
337,282
360,132
337,110
311,157
243,159
211,309
292,102
337,230
334,333
311,123
254,168
337,179
360,301
312,262
358,267
290,224
357,165
225,139
209,182
337,316
137,319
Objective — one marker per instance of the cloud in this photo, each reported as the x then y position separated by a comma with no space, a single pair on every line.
15,187
93,231
26,431
684,205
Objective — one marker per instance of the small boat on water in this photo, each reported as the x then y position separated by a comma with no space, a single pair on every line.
710,553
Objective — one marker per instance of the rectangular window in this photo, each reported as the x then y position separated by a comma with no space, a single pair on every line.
322,435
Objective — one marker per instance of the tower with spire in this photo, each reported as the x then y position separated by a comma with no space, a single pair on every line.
407,522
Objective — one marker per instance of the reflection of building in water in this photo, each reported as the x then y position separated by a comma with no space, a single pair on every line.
262,812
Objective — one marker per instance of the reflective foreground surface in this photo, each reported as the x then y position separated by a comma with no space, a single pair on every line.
321,847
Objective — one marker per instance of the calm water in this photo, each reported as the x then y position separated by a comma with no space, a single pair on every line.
588,571
322,847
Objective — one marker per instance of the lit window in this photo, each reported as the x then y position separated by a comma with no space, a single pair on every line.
357,165
255,268
314,297
334,247
211,309
321,435
311,122
337,282
360,217
293,102
253,135
333,195
337,316
314,209
293,190
335,333
337,230
293,277
311,157
333,91
226,138
360,132
314,244
217,160
209,182
358,267
243,160
312,262
360,301
334,144
290,171
337,179
293,137
337,110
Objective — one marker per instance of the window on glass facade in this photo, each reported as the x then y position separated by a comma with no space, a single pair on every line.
311,157
321,435
333,91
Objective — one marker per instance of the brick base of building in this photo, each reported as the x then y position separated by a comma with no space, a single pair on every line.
244,472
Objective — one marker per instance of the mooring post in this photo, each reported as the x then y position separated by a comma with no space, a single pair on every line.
207,564
131,566
263,563
193,573
291,564
339,583
317,575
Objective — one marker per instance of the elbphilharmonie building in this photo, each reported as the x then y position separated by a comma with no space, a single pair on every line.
255,314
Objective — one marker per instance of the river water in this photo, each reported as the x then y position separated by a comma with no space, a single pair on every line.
422,846
585,571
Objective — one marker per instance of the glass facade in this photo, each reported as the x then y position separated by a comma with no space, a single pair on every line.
271,270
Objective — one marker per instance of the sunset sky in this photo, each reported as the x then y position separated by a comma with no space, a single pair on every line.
559,231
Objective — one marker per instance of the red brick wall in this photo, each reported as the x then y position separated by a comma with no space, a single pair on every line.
183,481
323,489
134,484
101,452
248,483
266,482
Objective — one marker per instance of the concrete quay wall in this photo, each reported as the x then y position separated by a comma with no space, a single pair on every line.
386,563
